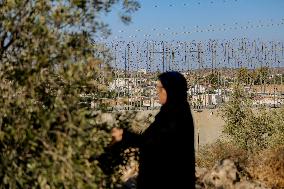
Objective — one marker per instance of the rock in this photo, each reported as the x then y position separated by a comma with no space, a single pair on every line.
200,172
249,185
225,175
106,119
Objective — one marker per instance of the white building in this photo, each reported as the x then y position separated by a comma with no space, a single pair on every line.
206,99
119,84
197,89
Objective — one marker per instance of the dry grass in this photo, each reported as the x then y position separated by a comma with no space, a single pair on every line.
268,167
210,154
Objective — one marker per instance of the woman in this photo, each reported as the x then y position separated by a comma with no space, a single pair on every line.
166,147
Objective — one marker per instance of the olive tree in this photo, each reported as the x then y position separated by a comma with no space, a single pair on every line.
49,63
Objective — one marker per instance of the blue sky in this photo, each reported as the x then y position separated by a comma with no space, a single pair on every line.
201,20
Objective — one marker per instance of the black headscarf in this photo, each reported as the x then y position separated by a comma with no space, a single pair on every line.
176,87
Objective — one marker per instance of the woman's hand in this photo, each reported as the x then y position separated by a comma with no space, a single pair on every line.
116,134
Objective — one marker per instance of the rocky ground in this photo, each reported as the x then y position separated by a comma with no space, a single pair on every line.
226,175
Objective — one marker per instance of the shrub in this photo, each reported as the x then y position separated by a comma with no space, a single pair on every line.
210,154
252,129
268,166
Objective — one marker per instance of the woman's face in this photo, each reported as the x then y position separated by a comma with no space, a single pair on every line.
162,93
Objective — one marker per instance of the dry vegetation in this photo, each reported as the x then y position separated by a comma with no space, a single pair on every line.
254,140
268,166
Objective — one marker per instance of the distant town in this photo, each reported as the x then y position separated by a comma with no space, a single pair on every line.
207,88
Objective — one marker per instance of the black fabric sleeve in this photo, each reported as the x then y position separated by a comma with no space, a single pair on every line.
111,158
131,139
113,154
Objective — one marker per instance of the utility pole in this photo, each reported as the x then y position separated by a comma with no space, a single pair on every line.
163,52
128,91
115,73
213,56
163,56
185,53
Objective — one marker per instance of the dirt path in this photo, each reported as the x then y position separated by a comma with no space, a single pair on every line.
208,125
